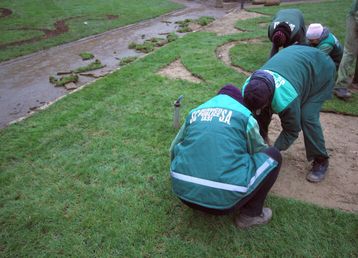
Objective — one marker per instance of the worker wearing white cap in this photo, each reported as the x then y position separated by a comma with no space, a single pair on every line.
320,37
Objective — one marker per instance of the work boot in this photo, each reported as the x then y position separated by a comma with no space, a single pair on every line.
342,93
244,221
318,170
353,87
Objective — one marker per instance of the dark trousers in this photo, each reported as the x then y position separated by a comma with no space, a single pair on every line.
355,77
264,120
252,204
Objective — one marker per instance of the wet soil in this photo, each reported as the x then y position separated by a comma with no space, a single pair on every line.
176,70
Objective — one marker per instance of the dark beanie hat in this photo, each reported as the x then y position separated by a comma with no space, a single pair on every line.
281,34
232,91
259,90
279,38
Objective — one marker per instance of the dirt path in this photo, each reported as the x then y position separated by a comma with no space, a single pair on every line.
340,188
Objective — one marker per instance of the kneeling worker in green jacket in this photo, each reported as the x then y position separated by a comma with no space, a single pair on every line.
221,164
294,84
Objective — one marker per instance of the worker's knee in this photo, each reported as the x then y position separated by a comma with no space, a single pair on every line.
275,154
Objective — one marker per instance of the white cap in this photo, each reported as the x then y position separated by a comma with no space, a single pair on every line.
314,31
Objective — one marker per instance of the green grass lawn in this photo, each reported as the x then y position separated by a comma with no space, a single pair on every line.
83,18
89,176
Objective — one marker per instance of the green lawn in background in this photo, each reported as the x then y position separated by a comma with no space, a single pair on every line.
89,176
84,18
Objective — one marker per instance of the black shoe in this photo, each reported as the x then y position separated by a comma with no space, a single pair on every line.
318,170
342,93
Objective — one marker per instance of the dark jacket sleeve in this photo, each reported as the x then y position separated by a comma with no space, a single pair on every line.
291,125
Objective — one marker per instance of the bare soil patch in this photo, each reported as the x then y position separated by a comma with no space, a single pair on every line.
226,25
4,12
176,70
340,187
112,17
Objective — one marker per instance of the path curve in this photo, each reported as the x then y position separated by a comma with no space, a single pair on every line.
223,53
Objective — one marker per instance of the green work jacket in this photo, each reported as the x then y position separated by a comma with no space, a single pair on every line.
331,46
302,75
294,18
216,158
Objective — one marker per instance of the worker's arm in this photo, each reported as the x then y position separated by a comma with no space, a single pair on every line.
326,48
178,138
274,50
291,125
255,142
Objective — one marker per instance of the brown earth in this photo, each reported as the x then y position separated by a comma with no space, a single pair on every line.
340,188
176,70
4,12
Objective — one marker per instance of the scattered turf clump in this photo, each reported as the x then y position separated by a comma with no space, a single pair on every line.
132,45
154,40
184,25
86,56
184,22
172,37
150,44
127,60
146,47
92,66
158,42
62,81
205,20
202,21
